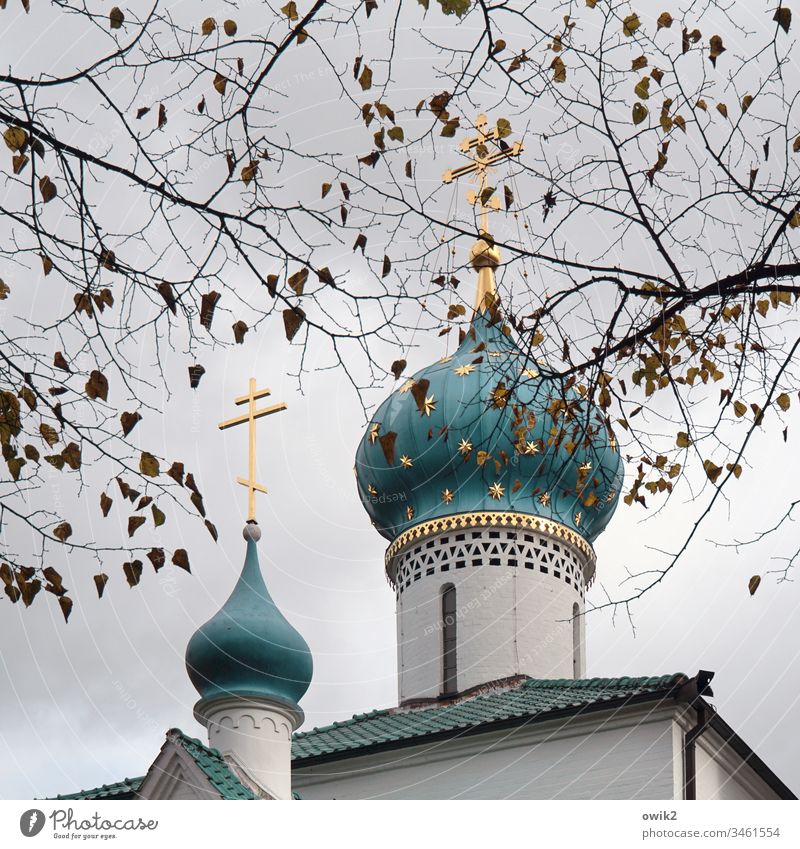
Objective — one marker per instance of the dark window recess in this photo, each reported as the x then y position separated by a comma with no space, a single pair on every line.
460,537
494,534
460,564
449,670
576,641
494,561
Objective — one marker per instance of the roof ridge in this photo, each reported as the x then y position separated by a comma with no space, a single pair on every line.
342,723
622,680
176,732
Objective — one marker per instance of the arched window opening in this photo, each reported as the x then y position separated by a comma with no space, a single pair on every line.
449,669
576,641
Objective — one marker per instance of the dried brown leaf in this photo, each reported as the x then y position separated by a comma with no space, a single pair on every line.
134,523
181,558
156,557
63,531
129,422
100,582
97,386
292,321
148,465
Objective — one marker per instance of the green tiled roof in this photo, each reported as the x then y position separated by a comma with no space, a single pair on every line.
213,765
125,789
529,700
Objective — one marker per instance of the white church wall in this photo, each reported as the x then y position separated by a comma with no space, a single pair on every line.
607,757
723,775
720,773
510,619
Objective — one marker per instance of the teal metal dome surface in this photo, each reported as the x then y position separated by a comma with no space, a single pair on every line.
488,430
248,649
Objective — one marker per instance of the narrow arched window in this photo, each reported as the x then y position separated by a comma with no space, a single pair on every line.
449,670
576,641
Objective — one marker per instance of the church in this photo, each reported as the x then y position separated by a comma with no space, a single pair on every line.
490,482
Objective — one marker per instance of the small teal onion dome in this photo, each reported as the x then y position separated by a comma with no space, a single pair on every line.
488,429
248,649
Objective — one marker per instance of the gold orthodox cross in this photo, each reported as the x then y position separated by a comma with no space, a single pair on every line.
483,158
252,414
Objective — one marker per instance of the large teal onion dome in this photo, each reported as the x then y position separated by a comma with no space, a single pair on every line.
488,429
248,649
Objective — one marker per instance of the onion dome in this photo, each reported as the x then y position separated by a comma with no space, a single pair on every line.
488,429
248,649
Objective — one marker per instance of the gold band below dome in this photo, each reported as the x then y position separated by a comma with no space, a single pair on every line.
491,518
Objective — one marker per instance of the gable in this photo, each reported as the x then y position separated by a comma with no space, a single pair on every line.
176,775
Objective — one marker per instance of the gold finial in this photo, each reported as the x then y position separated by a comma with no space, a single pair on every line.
484,256
252,414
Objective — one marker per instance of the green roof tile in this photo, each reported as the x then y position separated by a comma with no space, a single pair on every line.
531,699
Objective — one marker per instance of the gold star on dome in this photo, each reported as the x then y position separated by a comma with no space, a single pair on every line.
372,491
586,467
406,386
410,512
445,359
531,448
530,372
465,446
447,496
578,517
461,371
496,491
428,406
544,499
373,434
406,462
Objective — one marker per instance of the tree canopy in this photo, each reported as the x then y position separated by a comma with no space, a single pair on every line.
179,181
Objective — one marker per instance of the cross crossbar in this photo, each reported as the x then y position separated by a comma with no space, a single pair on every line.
252,415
